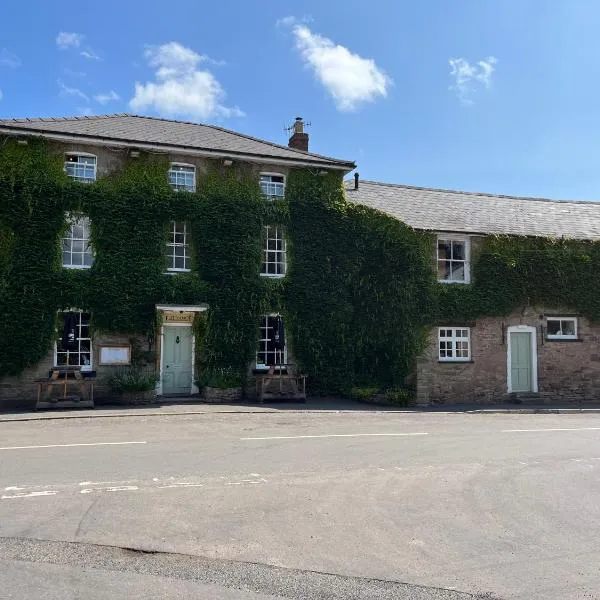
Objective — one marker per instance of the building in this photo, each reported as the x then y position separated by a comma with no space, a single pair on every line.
539,349
91,149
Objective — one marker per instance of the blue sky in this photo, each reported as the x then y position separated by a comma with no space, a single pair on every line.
485,95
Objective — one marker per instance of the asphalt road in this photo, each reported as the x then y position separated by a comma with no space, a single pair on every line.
302,505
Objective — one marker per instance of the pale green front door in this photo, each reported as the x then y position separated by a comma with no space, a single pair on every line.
521,369
177,360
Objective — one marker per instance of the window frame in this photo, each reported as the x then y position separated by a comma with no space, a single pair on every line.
453,340
272,197
282,254
84,180
452,237
182,189
559,318
84,368
284,353
72,218
171,245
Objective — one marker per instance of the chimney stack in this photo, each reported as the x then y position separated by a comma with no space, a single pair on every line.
299,139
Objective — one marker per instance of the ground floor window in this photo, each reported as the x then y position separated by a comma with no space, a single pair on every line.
272,349
454,343
73,345
561,328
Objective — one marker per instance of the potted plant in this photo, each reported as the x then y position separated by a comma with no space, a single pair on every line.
133,386
220,384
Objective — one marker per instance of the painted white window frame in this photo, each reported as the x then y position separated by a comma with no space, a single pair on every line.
79,178
183,308
454,339
452,237
274,234
182,187
68,240
534,360
265,186
84,368
264,339
172,244
561,336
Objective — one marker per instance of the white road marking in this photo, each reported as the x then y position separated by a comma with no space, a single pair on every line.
13,488
119,488
31,494
332,435
70,445
556,429
180,485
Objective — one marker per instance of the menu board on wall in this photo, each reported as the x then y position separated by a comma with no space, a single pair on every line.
115,355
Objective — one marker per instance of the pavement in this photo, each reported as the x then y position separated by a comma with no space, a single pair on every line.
185,406
285,503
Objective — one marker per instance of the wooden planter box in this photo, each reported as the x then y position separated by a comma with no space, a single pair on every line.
211,394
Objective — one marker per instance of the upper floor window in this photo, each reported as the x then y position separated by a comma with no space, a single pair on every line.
74,343
453,259
182,177
561,328
274,263
81,167
76,247
178,247
272,186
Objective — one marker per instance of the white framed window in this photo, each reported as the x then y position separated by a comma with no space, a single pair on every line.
454,343
561,328
272,185
178,247
274,263
182,177
77,352
268,353
81,167
453,259
77,251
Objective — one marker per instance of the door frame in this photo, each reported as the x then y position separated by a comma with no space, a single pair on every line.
532,331
177,308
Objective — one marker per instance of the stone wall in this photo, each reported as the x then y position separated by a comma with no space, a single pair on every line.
568,370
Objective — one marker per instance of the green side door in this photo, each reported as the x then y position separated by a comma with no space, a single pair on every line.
521,370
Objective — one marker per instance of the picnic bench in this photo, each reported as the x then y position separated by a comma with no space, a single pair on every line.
280,382
64,378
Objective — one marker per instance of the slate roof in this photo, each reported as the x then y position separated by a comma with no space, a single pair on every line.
471,212
160,133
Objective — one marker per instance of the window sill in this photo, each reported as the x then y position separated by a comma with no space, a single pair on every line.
272,276
559,339
447,282
456,362
77,267
177,271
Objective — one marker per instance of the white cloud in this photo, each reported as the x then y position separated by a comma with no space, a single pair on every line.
107,97
468,77
181,88
69,91
66,40
89,54
8,59
85,111
351,79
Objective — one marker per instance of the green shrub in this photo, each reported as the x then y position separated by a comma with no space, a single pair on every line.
400,397
362,393
132,380
222,378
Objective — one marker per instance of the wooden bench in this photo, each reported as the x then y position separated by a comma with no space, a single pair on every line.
280,383
65,377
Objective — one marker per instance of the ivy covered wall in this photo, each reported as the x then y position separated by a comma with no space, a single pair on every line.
358,298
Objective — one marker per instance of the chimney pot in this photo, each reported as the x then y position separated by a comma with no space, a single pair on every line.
356,181
299,139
